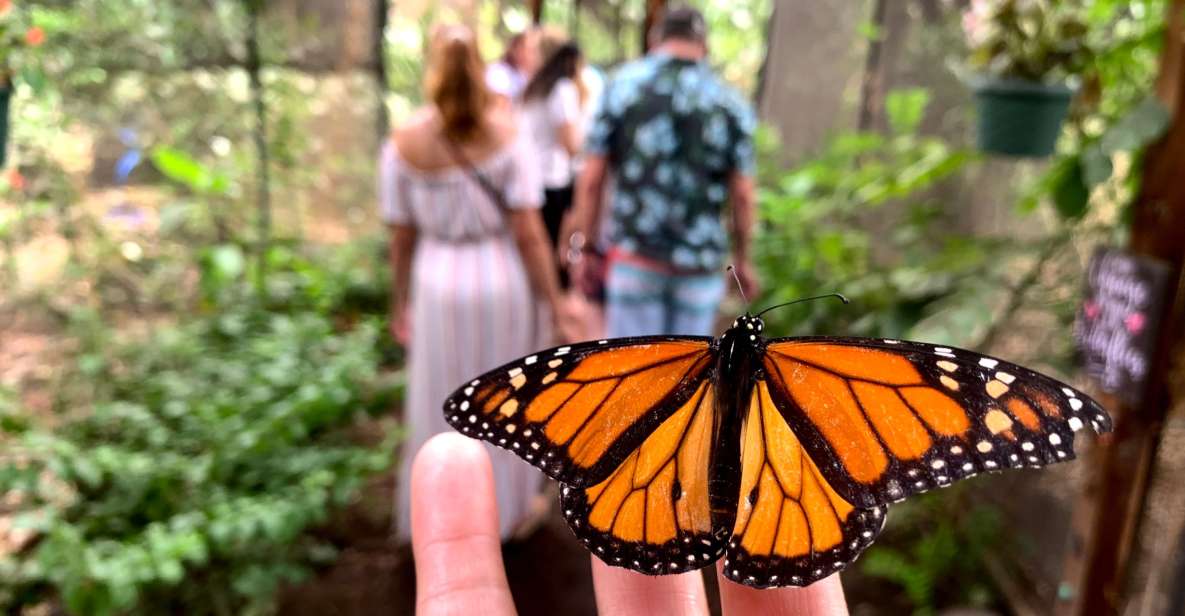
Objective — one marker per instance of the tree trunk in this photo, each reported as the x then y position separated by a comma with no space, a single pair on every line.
872,89
654,9
254,66
810,61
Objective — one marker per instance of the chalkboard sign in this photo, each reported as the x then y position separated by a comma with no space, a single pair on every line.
1117,323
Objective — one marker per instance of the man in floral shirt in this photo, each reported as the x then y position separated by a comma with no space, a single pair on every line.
679,145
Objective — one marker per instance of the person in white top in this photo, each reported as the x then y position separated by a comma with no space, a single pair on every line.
553,113
509,75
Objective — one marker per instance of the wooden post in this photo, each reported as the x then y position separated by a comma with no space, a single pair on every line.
654,10
1107,520
536,7
381,10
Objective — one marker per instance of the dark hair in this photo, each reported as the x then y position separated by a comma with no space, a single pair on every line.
683,22
563,62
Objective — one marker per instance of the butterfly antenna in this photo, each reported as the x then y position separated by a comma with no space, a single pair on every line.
740,289
806,299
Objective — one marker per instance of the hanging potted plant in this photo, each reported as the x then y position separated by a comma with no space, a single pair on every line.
1026,56
16,36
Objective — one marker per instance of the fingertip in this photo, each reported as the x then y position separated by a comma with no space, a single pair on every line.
452,470
454,526
623,591
824,598
447,450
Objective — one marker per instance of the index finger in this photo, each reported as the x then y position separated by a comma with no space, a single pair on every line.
454,529
623,592
824,598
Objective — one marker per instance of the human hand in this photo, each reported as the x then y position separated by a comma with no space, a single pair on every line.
570,319
458,555
401,325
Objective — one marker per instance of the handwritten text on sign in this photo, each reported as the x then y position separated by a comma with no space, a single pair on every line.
1118,320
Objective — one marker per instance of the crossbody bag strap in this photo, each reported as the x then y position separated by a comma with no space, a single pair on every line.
480,178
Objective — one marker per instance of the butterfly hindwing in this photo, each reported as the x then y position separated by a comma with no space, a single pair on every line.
578,411
884,419
653,513
791,527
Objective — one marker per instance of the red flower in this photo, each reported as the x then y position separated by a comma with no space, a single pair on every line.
4,6
16,181
34,36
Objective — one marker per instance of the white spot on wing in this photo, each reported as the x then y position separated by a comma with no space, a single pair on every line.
988,362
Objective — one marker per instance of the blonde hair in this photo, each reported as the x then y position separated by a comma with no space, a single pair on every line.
455,82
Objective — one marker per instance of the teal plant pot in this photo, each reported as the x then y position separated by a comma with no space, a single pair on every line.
5,96
1020,118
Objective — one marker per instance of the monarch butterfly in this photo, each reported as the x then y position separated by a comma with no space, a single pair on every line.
781,455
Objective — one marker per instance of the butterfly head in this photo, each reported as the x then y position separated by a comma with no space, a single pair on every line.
748,324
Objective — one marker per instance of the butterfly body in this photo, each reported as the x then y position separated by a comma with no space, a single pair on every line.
779,456
737,367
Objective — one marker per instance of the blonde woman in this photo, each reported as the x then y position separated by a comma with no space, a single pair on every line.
475,282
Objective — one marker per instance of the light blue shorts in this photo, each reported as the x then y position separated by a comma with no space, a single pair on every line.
641,301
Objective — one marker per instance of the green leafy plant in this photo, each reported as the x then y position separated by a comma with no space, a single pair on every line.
191,465
1033,40
818,225
1075,175
19,36
1115,118
932,550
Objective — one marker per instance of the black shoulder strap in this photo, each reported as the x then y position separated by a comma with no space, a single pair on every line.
484,182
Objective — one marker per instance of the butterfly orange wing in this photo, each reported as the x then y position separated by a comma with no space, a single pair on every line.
578,411
791,527
653,514
884,419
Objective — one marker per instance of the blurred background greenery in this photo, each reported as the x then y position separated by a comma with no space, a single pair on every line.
194,370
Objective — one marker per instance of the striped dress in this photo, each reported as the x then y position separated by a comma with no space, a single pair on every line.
472,306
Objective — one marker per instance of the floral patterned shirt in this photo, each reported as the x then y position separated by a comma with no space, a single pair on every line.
673,133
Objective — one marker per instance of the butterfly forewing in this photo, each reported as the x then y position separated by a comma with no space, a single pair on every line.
791,527
578,411
653,513
884,419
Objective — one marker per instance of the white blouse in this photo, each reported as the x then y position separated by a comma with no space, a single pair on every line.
448,204
542,118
